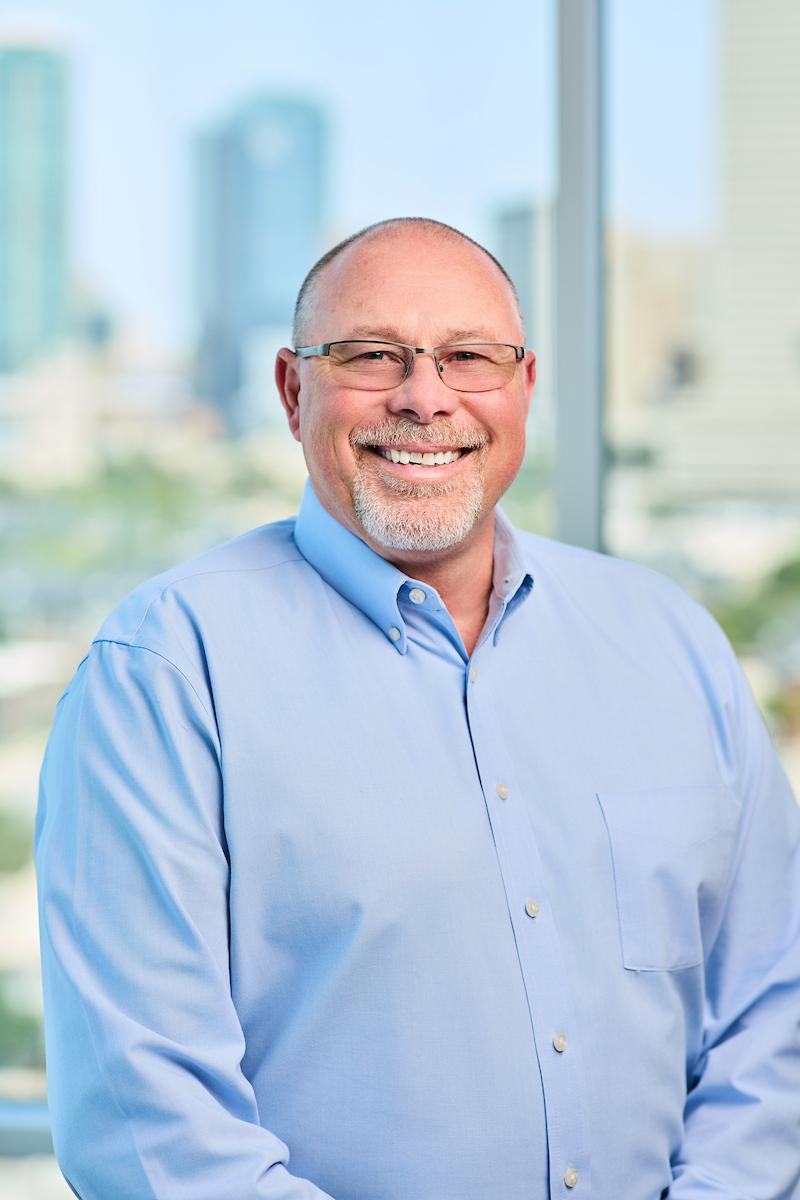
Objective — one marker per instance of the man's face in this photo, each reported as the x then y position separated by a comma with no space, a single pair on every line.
422,290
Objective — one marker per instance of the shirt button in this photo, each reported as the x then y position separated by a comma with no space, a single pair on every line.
560,1043
416,595
502,791
531,908
571,1177
394,634
473,674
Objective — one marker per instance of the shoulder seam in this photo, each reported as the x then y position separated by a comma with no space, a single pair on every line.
139,646
199,575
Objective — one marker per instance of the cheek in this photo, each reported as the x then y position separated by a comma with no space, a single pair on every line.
511,447
326,444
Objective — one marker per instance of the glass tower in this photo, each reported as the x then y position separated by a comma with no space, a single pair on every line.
33,200
259,213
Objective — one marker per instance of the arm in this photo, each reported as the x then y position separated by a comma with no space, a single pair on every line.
742,1116
147,1095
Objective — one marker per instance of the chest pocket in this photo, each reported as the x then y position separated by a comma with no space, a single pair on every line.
671,849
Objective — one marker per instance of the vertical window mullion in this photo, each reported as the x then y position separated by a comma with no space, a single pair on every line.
579,451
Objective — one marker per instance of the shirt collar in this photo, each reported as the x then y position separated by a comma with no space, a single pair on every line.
510,572
350,566
371,583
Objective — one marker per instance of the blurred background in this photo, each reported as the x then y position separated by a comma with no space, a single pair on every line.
167,176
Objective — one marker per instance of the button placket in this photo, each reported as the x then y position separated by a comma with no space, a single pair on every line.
541,958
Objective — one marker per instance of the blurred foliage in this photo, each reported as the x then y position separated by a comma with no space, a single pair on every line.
70,552
21,1034
749,618
16,841
784,710
112,517
629,454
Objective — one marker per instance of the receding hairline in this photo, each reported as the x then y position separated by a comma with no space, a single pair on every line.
388,227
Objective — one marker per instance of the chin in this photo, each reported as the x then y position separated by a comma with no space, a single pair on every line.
425,518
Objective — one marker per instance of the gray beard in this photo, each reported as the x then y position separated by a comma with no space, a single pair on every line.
420,516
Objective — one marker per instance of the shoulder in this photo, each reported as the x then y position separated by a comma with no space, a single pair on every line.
622,595
595,573
172,612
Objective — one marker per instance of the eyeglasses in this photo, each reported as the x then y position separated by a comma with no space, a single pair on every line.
379,366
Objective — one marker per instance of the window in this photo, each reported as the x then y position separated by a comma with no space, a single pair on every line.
703,254
168,178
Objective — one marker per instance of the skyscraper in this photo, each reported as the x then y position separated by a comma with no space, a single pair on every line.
34,303
754,351
259,214
730,427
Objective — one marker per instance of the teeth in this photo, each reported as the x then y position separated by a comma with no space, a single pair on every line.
426,459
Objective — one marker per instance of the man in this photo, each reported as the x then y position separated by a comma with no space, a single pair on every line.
392,854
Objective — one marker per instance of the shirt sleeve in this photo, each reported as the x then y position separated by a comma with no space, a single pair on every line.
742,1115
147,1096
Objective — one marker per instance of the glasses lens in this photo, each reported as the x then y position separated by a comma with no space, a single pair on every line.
369,365
477,367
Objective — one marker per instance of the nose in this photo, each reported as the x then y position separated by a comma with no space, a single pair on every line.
422,396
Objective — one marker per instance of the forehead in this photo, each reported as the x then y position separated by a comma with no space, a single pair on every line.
420,283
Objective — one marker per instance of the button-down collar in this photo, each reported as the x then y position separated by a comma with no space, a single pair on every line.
373,584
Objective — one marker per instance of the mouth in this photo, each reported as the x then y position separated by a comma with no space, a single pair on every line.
410,455
419,457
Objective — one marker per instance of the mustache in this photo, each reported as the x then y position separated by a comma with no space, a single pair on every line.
400,431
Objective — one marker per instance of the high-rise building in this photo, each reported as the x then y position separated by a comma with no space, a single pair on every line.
259,217
723,413
34,100
754,351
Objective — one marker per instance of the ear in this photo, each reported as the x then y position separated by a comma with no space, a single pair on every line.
529,378
287,379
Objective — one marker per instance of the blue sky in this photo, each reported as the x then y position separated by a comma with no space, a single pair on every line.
444,109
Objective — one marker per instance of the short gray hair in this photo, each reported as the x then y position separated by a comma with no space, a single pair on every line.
306,294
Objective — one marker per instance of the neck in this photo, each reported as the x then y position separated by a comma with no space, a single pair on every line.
462,577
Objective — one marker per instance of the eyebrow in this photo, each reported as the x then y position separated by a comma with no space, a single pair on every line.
390,334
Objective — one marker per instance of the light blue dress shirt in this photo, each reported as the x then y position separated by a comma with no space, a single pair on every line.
331,909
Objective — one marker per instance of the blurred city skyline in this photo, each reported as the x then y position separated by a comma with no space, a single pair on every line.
145,81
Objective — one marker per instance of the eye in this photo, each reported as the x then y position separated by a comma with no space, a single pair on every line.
366,354
378,356
465,357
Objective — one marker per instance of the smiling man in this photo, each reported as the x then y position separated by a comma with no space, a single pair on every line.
381,424
390,853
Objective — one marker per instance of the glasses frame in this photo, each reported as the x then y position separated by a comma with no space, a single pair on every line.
324,349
